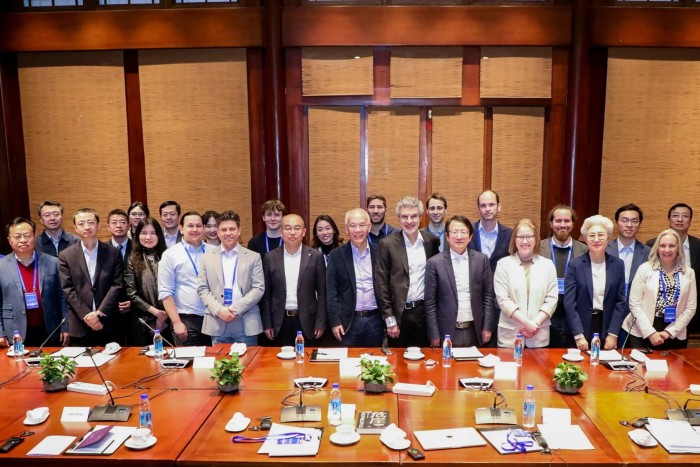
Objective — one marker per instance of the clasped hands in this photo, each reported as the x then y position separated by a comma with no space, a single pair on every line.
530,328
92,319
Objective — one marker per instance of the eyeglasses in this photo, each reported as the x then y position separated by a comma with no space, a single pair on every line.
360,226
525,238
597,236
18,237
680,216
293,228
459,233
626,220
84,224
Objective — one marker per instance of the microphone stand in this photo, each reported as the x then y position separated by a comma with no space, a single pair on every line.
173,362
36,354
111,412
301,413
623,364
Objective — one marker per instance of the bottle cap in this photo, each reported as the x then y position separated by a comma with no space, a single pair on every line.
595,334
156,331
530,387
335,386
16,332
519,336
144,396
298,333
447,336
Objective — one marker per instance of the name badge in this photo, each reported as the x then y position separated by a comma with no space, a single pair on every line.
228,297
560,283
31,300
669,314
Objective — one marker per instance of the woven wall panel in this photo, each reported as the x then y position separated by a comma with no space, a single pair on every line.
74,118
392,138
458,158
195,127
334,163
516,72
337,71
650,143
518,148
426,72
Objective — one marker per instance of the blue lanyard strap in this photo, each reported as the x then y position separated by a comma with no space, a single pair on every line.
235,271
267,243
554,259
281,436
36,273
184,245
677,277
517,440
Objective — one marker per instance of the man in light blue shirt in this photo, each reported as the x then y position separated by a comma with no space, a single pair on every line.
490,237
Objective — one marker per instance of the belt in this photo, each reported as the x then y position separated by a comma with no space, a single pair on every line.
596,312
413,305
464,324
291,312
364,313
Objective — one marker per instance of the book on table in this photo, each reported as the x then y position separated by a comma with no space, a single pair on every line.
372,423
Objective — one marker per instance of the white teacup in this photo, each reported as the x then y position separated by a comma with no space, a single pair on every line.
287,349
140,436
345,431
573,352
413,350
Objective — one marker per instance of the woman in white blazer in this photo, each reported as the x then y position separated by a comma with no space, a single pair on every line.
526,289
662,298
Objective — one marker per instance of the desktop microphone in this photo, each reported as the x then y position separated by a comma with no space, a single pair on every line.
301,412
623,364
36,354
169,362
111,412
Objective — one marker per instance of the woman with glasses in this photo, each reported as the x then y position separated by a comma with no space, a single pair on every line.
594,288
137,212
326,236
526,289
663,297
211,228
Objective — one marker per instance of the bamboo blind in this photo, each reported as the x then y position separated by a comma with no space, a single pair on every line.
195,127
516,72
650,143
458,158
74,120
334,163
392,158
417,72
518,145
337,71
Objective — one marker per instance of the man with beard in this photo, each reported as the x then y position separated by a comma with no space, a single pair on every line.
376,207
561,248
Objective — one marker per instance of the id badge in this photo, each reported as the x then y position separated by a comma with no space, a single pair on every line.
31,300
560,283
228,297
669,314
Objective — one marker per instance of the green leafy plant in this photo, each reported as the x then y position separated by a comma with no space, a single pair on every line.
56,369
568,375
228,371
373,371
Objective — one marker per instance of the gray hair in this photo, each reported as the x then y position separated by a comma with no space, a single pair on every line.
597,220
354,212
410,202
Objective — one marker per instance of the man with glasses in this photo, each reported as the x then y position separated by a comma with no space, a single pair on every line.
54,239
632,252
353,315
91,274
295,288
437,210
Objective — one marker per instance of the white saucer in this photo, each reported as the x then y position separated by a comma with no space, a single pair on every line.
399,444
413,356
287,356
236,425
129,443
11,353
29,422
336,438
151,353
572,358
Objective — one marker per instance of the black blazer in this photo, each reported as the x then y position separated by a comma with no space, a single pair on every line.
502,243
341,285
79,291
311,291
391,275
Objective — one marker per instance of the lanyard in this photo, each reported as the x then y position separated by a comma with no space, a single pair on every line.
235,271
554,259
36,273
196,271
677,277
385,228
282,436
267,243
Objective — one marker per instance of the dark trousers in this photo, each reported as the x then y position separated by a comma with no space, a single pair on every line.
464,337
413,329
193,323
559,333
288,333
365,331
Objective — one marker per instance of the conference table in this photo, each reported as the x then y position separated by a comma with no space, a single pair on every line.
190,413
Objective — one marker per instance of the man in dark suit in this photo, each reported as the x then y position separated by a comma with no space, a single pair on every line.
30,292
490,237
459,298
170,218
437,210
399,279
353,314
118,227
295,288
54,239
632,252
91,274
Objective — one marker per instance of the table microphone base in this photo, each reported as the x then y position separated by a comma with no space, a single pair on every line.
304,413
110,413
495,416
685,415
621,365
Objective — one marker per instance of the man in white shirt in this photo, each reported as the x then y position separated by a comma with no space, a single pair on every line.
437,210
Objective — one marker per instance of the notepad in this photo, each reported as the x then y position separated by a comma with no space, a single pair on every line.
51,446
675,436
466,353
329,355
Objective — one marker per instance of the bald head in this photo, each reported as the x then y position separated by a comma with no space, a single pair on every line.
293,232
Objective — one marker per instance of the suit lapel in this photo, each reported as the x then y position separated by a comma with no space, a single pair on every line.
101,257
219,270
588,273
305,258
18,281
278,255
608,276
82,263
451,272
638,258
41,264
350,264
403,254
476,238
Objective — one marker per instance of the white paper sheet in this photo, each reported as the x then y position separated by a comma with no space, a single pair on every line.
552,416
51,446
69,352
85,361
204,362
466,352
675,436
565,437
75,414
331,354
190,352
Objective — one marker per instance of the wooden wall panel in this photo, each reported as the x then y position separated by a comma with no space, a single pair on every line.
426,72
337,71
516,72
334,163
392,155
195,119
74,119
518,141
650,143
458,158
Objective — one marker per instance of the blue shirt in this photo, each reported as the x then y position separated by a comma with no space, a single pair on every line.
488,240
177,277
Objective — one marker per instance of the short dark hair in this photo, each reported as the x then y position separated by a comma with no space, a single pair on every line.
139,204
48,203
680,205
228,216
436,196
86,211
498,198
17,221
208,215
562,206
117,212
371,198
630,207
165,204
272,205
188,213
462,219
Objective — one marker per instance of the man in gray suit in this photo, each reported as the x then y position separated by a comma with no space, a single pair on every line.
30,292
459,297
231,283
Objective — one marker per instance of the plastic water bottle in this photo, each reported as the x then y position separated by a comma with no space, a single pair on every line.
145,416
18,346
447,352
335,414
299,347
158,345
529,407
595,349
518,348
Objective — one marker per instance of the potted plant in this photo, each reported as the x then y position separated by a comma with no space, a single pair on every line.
228,372
569,378
375,375
55,372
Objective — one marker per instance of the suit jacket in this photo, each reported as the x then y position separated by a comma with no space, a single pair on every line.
578,296
441,295
341,285
639,256
502,243
311,291
80,292
579,248
391,275
250,279
45,245
442,238
14,312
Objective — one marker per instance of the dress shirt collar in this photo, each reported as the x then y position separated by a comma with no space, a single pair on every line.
407,242
295,255
485,232
568,244
86,250
123,244
622,248
192,248
356,251
232,252
457,257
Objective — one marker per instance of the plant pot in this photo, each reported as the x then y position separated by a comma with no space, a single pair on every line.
55,386
375,388
566,389
227,388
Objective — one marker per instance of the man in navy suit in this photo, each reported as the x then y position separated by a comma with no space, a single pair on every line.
353,314
490,237
632,252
